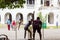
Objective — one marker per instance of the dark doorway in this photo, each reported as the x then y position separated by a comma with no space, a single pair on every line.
30,16
8,16
19,16
47,3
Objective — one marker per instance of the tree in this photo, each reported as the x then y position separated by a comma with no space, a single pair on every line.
40,15
11,3
44,19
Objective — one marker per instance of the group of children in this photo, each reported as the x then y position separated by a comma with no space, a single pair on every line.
13,24
36,25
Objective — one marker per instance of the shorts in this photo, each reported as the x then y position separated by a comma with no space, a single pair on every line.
36,28
25,28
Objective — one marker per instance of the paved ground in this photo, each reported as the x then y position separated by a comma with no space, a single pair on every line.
49,34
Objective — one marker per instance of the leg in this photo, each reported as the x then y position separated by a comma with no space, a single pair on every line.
30,33
39,31
12,26
18,26
25,34
8,27
34,30
40,35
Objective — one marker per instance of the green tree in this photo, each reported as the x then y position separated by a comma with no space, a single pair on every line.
11,3
43,19
40,15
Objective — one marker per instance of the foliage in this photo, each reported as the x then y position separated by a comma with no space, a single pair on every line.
40,15
43,19
11,3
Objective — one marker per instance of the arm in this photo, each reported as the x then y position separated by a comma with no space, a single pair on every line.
40,24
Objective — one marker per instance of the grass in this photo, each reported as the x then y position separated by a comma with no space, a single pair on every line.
48,27
0,25
3,25
53,27
22,26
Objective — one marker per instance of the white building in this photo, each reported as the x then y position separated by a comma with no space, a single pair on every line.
51,8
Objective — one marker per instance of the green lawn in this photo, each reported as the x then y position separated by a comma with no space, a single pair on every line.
22,26
3,25
49,27
53,27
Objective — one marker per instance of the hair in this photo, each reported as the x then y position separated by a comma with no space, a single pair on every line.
38,18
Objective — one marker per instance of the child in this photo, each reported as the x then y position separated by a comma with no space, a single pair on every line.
8,24
14,24
20,21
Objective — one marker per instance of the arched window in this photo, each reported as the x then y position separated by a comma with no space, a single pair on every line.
51,18
30,1
41,1
29,17
19,16
8,16
46,2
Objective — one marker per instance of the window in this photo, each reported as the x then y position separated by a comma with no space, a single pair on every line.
8,16
19,16
29,17
59,2
51,18
41,1
30,1
46,3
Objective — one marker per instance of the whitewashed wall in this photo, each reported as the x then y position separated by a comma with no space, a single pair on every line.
25,11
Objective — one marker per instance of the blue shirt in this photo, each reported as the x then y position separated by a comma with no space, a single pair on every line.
8,22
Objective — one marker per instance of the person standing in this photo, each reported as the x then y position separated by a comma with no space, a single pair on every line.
8,24
14,24
26,29
37,24
20,21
